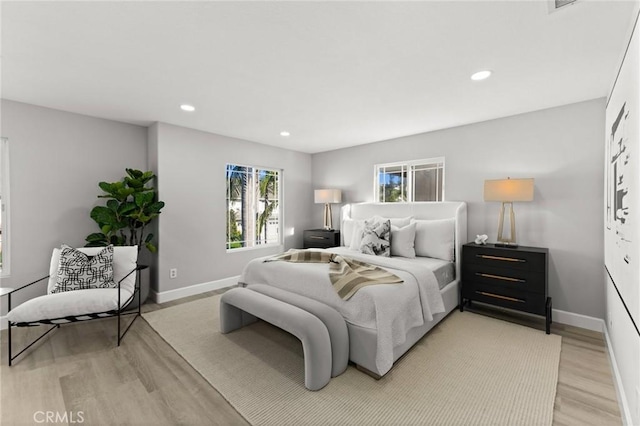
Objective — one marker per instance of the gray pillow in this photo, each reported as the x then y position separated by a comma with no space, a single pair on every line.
375,238
77,271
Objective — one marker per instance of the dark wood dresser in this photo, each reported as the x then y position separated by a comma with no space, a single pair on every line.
321,238
514,278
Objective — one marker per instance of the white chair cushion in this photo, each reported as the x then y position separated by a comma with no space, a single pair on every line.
124,261
68,304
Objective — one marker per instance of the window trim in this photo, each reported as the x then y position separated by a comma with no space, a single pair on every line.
280,187
5,208
410,190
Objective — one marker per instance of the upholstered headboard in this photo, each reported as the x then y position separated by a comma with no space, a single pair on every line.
421,210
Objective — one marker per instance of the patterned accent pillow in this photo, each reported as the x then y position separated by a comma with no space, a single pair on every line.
77,271
375,238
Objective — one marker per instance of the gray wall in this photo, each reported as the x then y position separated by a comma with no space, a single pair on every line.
57,159
560,147
191,181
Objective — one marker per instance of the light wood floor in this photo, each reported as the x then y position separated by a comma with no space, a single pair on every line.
77,370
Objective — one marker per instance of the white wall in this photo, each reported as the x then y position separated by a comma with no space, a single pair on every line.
624,336
191,181
560,147
57,159
625,345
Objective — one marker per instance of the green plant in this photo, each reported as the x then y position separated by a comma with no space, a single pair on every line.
268,186
132,205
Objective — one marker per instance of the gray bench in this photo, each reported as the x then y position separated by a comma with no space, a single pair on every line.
321,329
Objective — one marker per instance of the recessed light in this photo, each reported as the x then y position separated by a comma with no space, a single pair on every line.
481,75
187,107
285,134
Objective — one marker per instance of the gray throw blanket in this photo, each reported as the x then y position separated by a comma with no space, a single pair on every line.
347,275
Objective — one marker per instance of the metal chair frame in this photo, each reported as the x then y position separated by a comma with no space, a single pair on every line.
119,312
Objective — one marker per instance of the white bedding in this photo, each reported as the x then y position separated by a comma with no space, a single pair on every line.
391,309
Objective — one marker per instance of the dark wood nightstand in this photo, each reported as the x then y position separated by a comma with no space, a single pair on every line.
321,238
514,278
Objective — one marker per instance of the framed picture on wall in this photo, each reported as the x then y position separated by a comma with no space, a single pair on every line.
622,180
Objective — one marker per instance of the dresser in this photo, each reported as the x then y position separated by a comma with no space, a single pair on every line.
514,278
321,238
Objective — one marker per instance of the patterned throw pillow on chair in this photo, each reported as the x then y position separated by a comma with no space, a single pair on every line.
375,238
77,271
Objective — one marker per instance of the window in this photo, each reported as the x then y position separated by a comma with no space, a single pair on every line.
4,206
253,207
408,181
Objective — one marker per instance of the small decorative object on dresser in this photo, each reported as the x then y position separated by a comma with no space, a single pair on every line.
321,238
481,239
514,278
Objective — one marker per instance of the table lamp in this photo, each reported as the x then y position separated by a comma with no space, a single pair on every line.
327,196
507,191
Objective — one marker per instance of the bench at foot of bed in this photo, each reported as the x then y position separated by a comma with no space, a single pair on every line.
321,329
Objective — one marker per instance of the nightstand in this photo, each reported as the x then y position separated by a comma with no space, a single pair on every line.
321,238
514,278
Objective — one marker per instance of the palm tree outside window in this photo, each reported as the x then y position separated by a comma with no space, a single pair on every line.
253,207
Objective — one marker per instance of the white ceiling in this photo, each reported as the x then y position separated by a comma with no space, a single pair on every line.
334,74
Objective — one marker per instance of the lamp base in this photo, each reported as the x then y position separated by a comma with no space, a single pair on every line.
328,217
506,245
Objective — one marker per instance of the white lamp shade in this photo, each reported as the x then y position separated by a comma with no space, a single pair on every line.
323,196
507,190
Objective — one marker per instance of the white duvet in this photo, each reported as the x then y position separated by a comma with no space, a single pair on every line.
391,309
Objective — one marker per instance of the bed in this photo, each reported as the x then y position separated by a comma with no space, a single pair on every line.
384,321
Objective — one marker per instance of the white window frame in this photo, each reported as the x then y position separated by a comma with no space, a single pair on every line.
4,207
280,209
409,165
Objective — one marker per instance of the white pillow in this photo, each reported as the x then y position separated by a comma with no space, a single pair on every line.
347,231
435,238
356,235
403,240
400,222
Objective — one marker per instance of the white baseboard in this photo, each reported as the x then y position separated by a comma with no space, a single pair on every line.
578,320
617,380
167,296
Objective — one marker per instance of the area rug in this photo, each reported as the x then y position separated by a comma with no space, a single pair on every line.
469,370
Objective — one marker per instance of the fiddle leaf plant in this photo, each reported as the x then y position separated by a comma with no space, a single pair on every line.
131,206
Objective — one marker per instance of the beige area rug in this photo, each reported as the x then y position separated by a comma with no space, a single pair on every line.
469,370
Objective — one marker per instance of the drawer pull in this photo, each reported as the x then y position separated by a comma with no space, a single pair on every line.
498,277
507,259
317,237
497,296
